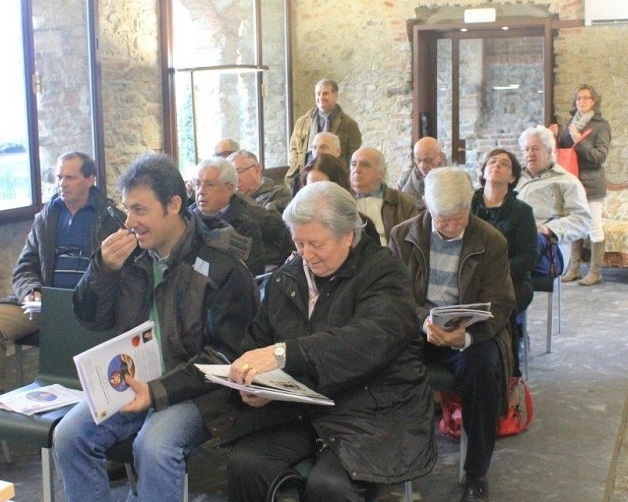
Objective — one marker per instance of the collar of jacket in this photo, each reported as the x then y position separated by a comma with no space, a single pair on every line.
420,234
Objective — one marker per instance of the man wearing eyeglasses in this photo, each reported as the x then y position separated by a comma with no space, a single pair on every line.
427,154
226,147
266,201
253,183
214,185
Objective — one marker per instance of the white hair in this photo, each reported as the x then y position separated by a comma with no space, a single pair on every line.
227,171
447,191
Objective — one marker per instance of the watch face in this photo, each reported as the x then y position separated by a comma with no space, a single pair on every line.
280,351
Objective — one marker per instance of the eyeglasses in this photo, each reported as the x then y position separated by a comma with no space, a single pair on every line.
245,169
584,98
426,160
197,184
224,154
501,162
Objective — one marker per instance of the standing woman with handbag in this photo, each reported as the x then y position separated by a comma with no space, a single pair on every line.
591,149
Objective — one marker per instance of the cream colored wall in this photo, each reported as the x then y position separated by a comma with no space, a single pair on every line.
365,47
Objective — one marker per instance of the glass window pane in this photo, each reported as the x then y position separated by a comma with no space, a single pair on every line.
275,106
15,175
212,33
501,92
215,103
444,94
221,105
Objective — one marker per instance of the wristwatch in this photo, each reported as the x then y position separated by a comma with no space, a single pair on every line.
280,354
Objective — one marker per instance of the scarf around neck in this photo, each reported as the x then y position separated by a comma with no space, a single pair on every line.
580,120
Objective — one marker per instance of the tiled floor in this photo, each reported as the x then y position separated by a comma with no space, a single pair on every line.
572,451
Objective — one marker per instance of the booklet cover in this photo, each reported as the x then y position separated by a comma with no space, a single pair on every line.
102,369
40,399
276,385
453,316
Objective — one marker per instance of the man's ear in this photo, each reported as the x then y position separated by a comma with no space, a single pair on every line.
174,206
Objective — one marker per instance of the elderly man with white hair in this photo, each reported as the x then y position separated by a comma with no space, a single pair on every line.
454,257
384,205
557,197
252,182
214,185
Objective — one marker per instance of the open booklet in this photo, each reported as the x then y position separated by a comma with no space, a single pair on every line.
453,316
39,399
102,369
276,384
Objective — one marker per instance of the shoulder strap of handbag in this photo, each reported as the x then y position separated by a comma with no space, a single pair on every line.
529,404
584,135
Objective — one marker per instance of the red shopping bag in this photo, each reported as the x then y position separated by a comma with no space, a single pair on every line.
568,158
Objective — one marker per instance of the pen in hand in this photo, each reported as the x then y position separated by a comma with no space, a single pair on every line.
118,220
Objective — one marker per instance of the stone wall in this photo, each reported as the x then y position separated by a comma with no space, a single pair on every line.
131,82
365,47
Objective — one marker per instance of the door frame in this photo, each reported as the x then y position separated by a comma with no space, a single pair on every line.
424,62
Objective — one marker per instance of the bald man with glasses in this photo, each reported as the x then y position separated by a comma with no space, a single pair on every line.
427,154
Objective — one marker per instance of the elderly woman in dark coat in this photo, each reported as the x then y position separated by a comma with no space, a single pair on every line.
340,318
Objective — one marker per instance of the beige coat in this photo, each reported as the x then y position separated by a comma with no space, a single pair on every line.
342,126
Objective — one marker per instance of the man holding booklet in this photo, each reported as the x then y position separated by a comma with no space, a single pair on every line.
453,258
163,266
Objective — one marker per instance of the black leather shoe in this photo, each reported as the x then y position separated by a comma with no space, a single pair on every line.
475,490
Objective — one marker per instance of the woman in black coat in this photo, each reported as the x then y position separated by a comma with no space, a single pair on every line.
496,202
340,318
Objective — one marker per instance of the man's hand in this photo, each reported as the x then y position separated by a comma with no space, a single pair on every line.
441,338
142,399
116,248
251,363
33,296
